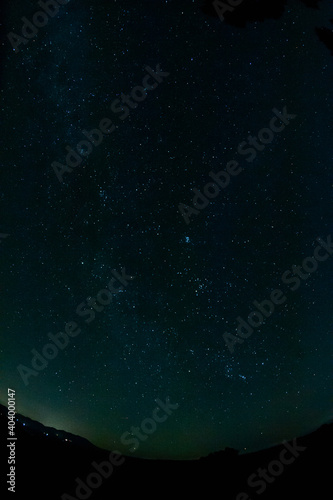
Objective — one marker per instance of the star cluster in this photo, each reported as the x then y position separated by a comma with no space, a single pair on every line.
163,335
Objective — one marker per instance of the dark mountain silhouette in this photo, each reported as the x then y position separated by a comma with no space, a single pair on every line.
49,461
33,428
250,11
326,36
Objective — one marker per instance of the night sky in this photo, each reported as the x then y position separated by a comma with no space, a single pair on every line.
163,335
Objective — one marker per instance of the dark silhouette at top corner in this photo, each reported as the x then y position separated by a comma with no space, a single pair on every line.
250,11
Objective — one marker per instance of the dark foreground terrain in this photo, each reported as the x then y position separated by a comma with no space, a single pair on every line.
49,461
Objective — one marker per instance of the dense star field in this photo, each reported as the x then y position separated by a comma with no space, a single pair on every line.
166,189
